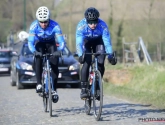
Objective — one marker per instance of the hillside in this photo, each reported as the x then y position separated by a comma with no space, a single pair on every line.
127,9
131,19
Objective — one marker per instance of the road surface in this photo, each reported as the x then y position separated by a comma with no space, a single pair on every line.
24,107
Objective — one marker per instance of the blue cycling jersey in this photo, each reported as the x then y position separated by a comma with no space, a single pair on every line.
36,33
83,32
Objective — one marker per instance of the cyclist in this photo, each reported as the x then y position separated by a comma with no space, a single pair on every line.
42,35
92,34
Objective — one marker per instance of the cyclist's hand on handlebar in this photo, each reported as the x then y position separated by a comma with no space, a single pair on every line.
57,53
112,59
37,54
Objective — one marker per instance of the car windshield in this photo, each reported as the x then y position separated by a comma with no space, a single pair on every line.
26,51
4,54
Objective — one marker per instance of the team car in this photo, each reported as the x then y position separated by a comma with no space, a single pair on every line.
22,73
5,57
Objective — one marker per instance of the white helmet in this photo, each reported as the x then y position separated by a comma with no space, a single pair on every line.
42,14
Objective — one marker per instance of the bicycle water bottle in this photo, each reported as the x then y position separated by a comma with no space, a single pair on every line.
91,78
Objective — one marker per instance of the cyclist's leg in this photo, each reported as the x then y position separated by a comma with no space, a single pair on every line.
38,67
84,80
55,73
85,71
99,47
53,62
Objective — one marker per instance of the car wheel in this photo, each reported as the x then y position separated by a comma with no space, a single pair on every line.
13,83
19,85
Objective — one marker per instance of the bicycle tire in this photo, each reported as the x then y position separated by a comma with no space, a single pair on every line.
45,103
98,100
44,96
87,103
50,94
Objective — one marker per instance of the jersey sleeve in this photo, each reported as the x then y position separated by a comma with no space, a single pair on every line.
31,38
79,40
107,39
60,38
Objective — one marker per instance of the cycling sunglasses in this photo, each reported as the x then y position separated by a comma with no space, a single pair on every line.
43,21
92,22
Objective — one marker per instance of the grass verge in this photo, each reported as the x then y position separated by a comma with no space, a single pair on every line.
147,84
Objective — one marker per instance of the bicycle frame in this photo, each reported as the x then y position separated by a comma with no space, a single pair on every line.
48,84
94,68
48,69
95,89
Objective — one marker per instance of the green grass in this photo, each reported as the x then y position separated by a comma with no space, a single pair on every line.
147,85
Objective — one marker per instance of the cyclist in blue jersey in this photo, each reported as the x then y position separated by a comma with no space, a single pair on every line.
92,35
43,34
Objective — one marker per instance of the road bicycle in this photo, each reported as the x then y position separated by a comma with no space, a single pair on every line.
47,84
95,88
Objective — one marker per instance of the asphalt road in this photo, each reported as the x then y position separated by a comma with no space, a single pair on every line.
24,107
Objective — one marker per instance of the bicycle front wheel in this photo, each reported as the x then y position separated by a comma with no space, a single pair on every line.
45,102
44,96
98,95
50,94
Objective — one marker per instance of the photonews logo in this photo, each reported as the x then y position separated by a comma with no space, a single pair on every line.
151,119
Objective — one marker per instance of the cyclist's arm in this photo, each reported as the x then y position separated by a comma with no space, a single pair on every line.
60,38
31,38
79,40
107,40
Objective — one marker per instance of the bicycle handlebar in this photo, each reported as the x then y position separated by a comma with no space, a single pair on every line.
48,54
97,54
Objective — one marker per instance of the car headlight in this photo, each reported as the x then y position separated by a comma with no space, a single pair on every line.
25,66
74,66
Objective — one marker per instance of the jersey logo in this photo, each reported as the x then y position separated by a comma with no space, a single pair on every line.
81,27
57,28
33,26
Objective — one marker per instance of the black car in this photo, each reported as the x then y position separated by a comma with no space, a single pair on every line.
5,57
22,72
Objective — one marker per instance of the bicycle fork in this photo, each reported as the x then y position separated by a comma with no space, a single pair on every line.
48,70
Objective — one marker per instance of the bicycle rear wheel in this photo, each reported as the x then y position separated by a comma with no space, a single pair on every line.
87,104
98,95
